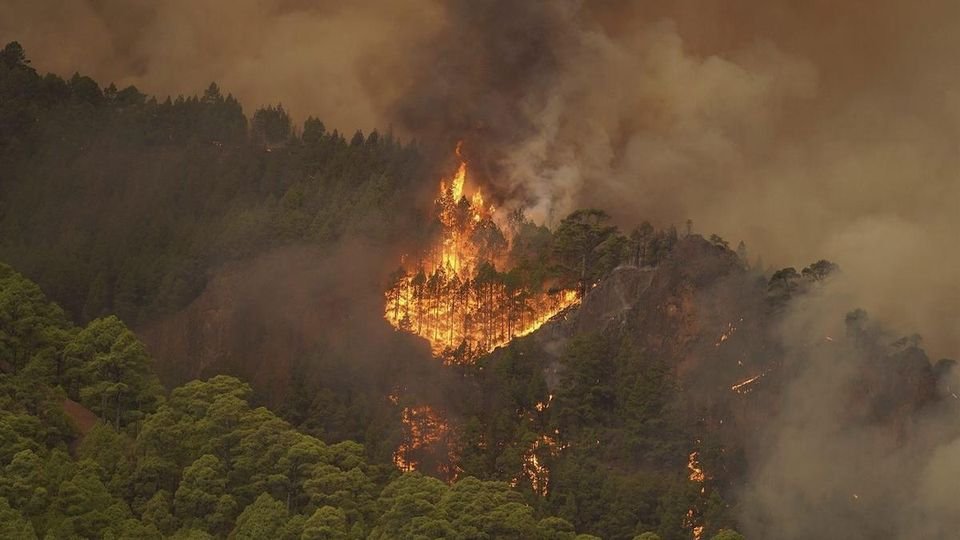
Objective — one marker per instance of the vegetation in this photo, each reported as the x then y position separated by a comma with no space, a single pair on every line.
200,461
119,203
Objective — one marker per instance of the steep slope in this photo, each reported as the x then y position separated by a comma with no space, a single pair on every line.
693,373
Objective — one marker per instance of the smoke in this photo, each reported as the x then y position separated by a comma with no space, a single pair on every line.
807,130
259,318
316,58
860,442
815,129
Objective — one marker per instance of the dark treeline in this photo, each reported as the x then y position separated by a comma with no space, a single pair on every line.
115,202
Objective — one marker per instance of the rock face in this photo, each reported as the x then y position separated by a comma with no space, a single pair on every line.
610,302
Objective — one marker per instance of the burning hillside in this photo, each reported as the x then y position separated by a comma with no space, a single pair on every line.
453,295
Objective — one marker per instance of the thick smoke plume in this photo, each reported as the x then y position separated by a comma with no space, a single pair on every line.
809,131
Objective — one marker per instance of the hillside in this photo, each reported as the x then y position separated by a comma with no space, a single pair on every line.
272,330
660,370
197,462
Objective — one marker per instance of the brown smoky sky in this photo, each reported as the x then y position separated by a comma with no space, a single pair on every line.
809,129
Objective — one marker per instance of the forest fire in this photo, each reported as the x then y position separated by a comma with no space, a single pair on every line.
743,387
453,295
697,475
692,519
425,431
533,467
727,333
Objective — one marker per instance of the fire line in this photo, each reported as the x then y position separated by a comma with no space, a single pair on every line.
451,297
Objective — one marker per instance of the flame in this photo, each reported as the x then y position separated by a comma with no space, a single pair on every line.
448,297
696,472
743,387
698,476
541,406
727,333
534,469
690,522
424,429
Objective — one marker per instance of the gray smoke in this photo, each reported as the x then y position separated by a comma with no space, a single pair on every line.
847,451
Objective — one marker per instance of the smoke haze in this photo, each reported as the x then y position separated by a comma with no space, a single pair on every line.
861,442
810,130
807,130
313,57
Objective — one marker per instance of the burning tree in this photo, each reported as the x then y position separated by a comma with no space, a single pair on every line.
454,296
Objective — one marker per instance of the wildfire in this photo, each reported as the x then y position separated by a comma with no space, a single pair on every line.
455,297
696,472
690,522
697,476
542,406
533,467
743,387
747,385
727,333
424,429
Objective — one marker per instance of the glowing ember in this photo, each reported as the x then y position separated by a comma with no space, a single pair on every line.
698,476
696,472
727,333
454,297
743,387
541,406
424,430
533,467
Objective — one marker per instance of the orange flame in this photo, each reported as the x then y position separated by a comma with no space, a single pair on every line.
533,469
449,300
698,476
424,429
